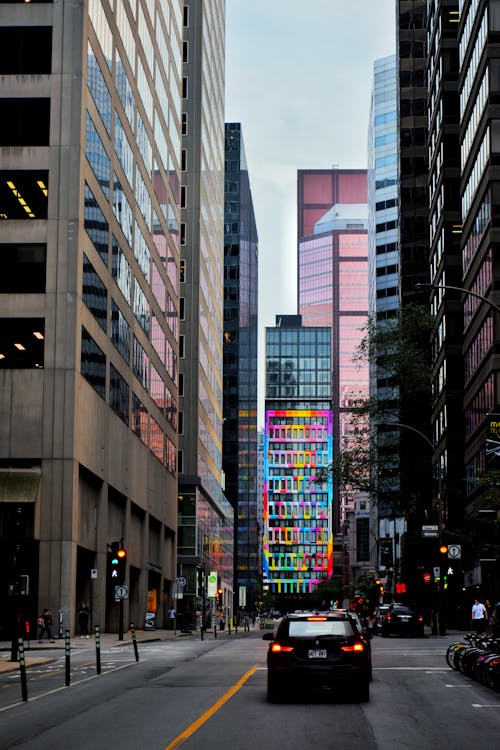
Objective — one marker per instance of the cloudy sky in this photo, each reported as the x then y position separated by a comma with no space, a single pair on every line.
298,78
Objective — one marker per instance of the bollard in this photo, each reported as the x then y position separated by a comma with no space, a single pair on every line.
22,669
98,649
229,628
134,640
67,654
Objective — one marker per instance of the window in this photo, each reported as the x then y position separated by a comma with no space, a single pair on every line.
97,155
95,224
25,50
139,419
25,122
93,363
24,194
23,268
120,331
94,293
22,343
118,394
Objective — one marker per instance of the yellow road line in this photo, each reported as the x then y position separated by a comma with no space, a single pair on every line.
210,712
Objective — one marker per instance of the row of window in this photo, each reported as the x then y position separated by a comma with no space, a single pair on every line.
296,535
481,221
132,412
301,560
306,484
481,345
480,285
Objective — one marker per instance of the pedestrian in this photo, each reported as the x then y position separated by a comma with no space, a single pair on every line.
479,616
45,623
171,618
83,619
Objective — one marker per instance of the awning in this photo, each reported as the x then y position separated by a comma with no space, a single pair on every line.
19,485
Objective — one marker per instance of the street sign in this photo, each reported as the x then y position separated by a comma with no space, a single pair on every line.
121,592
181,581
430,531
454,551
212,584
93,573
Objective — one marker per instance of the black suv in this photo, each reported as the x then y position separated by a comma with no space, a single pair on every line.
312,649
402,620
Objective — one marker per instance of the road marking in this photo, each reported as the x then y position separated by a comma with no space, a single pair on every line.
486,705
431,669
211,711
64,687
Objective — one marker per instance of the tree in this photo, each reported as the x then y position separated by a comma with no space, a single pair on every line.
398,353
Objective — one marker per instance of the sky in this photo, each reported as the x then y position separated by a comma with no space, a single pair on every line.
299,76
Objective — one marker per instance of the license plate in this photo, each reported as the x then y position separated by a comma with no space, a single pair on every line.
317,653
405,619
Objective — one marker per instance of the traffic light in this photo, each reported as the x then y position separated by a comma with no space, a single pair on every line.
443,549
219,597
118,560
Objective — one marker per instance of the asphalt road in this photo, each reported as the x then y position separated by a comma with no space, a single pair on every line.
200,695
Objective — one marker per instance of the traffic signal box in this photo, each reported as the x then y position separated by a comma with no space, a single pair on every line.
118,561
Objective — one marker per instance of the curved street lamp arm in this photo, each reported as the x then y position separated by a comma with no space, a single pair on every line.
413,429
488,301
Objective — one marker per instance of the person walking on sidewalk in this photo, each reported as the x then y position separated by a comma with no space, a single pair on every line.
479,616
45,623
83,620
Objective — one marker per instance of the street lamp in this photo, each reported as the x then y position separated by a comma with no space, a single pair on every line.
419,287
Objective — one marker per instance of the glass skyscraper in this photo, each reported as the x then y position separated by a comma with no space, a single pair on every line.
240,366
333,291
384,296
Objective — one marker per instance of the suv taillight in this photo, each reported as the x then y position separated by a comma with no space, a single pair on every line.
355,647
277,647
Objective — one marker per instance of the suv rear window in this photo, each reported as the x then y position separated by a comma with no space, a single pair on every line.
312,628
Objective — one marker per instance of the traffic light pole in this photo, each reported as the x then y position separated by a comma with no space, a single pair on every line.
120,620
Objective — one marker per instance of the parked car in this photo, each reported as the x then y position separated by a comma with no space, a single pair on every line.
323,650
380,613
402,620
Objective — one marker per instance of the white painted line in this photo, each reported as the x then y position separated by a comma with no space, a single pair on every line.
486,705
65,687
409,669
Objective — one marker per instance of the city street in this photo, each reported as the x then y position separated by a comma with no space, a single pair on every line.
212,693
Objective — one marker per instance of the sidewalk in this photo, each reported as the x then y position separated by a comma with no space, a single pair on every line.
108,640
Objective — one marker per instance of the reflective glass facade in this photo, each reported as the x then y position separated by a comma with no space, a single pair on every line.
384,297
333,286
240,363
201,237
298,439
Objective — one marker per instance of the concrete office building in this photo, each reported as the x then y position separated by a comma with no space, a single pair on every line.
89,192
206,523
298,440
240,367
